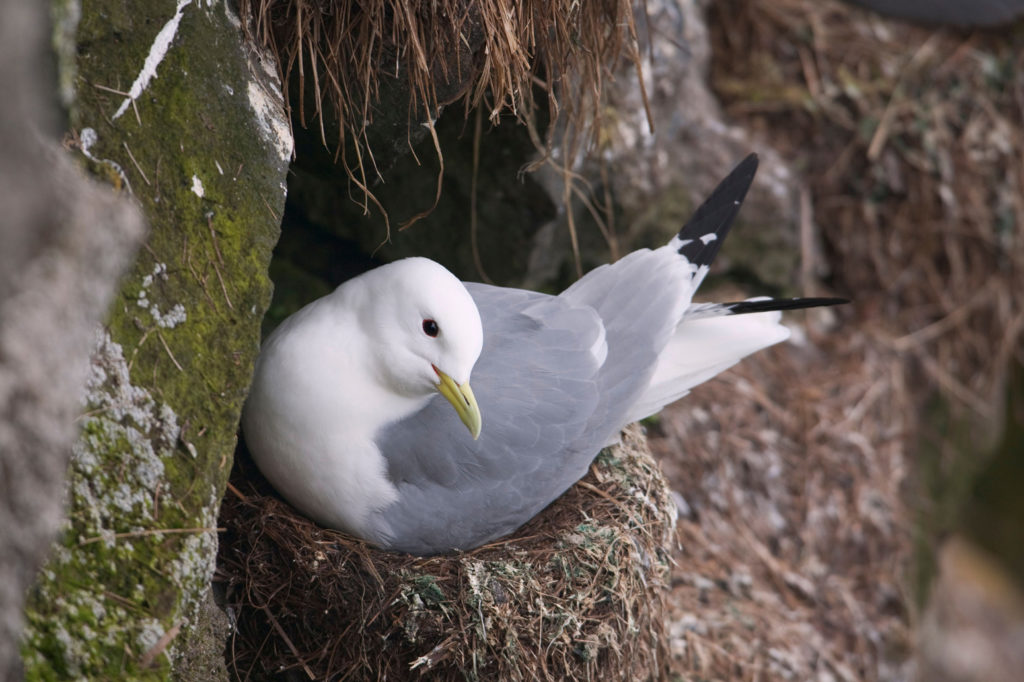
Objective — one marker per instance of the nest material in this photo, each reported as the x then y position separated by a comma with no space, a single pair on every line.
491,53
795,553
575,594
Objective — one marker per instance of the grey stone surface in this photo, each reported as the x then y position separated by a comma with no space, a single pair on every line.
172,108
65,241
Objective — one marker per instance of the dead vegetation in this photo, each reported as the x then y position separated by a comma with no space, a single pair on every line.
804,469
576,594
911,140
499,55
795,552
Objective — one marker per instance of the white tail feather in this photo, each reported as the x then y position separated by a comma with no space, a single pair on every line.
702,348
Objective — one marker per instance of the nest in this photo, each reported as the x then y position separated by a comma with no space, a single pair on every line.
577,593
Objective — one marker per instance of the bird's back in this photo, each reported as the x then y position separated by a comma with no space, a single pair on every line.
559,376
555,382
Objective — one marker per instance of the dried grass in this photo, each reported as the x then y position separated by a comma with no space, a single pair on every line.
795,555
577,594
801,466
911,139
496,55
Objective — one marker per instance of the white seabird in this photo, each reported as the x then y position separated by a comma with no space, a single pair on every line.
346,418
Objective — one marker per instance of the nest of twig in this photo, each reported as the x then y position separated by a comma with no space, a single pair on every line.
575,594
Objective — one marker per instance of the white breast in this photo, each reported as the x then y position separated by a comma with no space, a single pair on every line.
337,476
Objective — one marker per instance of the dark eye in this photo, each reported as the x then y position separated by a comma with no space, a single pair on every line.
430,328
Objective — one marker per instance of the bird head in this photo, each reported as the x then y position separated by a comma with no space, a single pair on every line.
426,333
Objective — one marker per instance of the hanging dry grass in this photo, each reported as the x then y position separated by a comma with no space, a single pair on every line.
576,594
493,54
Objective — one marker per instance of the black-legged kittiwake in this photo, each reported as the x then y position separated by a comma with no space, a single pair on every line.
346,421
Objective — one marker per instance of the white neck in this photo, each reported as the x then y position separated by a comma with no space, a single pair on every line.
340,478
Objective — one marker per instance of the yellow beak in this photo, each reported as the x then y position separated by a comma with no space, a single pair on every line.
462,399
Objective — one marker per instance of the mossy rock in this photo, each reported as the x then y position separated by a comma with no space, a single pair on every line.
172,107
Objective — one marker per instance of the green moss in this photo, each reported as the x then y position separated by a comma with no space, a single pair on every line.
171,371
64,15
429,591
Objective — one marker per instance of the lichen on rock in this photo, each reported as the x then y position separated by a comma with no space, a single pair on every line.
120,502
123,595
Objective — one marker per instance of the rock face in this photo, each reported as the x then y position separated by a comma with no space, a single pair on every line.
510,207
65,243
170,107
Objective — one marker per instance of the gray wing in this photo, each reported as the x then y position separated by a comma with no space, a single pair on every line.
555,382
537,386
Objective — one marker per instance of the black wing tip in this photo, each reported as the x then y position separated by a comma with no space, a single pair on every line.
748,164
705,231
763,306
